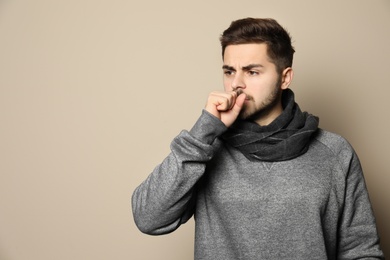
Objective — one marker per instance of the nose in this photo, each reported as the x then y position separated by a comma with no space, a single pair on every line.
238,81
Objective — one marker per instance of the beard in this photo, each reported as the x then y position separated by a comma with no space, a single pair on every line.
252,112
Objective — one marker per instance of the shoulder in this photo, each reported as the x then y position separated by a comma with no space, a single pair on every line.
333,141
335,146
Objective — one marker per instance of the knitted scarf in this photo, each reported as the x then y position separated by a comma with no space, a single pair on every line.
287,137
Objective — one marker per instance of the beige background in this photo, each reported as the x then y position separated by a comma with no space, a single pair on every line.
92,92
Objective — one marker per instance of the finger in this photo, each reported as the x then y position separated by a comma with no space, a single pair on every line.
216,103
239,103
223,101
232,100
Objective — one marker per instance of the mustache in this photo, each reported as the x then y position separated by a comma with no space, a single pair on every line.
240,91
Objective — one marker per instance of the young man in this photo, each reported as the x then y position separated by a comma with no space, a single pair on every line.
260,178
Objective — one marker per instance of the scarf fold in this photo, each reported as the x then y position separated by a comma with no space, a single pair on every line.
285,138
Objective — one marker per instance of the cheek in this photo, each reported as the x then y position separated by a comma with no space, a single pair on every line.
263,84
259,89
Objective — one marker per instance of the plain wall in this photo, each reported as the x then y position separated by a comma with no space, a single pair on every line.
92,93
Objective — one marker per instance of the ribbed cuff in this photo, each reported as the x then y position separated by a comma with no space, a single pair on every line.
207,128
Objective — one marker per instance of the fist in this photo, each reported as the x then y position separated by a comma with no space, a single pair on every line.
225,105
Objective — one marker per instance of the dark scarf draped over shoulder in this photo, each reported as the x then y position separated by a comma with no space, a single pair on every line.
287,137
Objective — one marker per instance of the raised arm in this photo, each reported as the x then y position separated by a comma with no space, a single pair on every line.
165,199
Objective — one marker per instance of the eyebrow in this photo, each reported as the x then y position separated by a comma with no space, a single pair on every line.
245,68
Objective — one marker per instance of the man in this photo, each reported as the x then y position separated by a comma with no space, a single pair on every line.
260,178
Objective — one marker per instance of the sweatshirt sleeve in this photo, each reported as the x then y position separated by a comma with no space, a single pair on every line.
165,199
358,236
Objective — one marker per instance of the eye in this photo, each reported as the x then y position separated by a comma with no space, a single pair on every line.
253,72
228,72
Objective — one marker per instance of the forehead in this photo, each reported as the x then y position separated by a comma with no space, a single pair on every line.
249,53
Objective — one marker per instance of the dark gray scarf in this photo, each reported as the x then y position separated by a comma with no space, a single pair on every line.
287,137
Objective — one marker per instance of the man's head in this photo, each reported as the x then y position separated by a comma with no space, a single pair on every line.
257,60
258,30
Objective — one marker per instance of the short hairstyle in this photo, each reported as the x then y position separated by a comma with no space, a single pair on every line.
261,30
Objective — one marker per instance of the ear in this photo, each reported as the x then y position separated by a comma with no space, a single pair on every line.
287,76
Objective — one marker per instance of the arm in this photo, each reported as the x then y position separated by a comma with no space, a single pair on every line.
358,234
165,199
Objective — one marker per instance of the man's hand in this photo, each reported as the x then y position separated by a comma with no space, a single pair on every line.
225,105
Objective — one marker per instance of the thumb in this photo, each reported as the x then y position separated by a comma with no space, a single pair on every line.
239,103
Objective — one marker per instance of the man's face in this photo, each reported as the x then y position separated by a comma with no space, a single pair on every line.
248,69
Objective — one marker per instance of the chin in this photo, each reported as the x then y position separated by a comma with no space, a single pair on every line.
245,114
254,115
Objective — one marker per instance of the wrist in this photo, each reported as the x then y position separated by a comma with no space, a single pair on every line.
208,127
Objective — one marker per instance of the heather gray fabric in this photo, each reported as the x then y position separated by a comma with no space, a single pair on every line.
314,206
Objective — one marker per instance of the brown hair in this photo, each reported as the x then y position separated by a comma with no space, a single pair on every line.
259,30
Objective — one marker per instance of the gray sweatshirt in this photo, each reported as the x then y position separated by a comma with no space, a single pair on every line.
315,206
